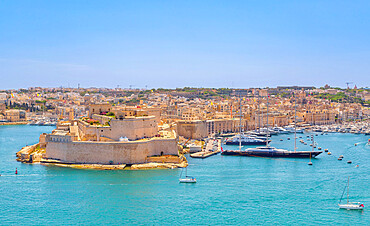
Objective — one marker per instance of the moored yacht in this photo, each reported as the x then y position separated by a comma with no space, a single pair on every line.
292,130
280,130
272,152
259,133
245,140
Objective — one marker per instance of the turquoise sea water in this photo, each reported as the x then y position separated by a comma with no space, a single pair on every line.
230,190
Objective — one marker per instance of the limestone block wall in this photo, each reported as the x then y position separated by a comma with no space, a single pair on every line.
220,125
107,152
156,112
60,138
132,128
99,108
192,129
42,140
85,131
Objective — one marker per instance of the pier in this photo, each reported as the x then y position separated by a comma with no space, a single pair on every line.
213,147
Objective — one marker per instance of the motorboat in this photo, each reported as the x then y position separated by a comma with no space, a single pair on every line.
269,131
292,130
280,130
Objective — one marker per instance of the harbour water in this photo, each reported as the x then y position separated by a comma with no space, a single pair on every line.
230,189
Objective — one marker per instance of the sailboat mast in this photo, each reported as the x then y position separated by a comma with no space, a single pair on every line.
240,123
313,142
295,123
259,114
348,191
267,121
344,190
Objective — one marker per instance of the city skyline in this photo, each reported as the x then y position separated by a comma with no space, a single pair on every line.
239,44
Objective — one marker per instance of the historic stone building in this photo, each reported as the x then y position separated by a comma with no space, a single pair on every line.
128,140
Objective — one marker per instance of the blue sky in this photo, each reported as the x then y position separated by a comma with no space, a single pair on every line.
236,44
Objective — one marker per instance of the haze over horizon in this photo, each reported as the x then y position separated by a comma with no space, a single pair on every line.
169,44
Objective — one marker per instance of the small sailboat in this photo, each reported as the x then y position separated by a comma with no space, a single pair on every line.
187,179
350,205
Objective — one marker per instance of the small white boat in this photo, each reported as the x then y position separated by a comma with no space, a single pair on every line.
350,205
291,129
187,179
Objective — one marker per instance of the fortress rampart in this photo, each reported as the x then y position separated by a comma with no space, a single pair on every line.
131,152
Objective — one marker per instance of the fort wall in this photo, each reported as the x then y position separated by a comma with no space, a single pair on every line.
133,152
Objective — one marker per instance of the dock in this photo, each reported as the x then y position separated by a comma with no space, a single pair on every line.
210,149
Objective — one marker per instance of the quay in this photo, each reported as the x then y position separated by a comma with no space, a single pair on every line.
213,147
12,123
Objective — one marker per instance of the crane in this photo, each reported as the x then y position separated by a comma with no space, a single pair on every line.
348,84
187,141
